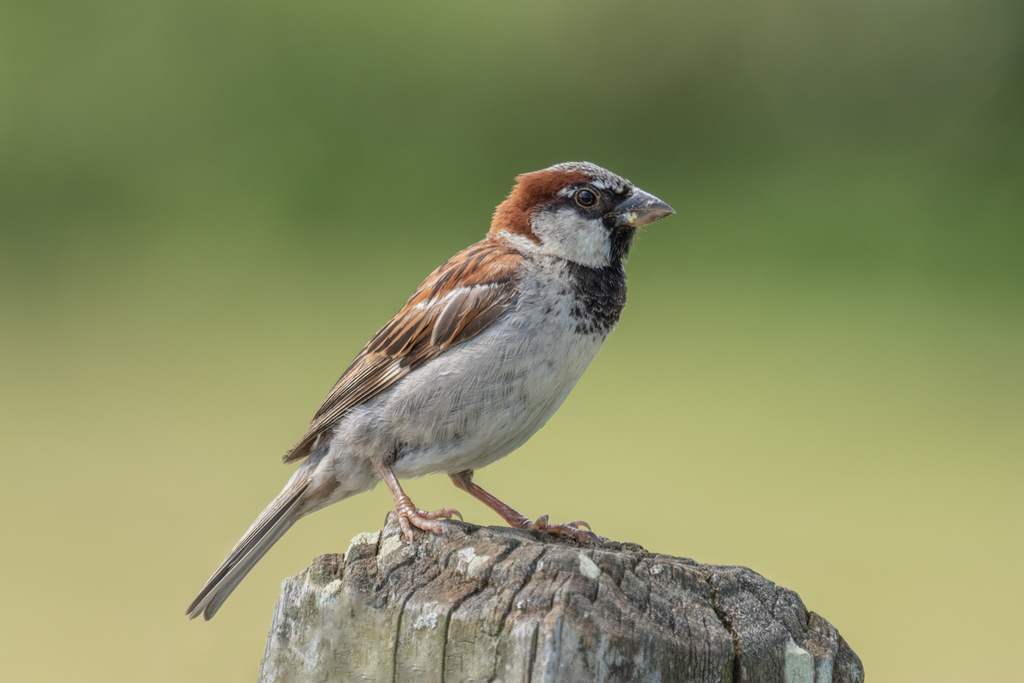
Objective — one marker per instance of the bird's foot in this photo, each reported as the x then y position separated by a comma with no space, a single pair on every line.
410,516
569,528
516,520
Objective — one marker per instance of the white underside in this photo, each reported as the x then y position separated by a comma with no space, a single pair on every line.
475,403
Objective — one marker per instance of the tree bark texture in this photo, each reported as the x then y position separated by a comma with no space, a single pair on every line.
504,605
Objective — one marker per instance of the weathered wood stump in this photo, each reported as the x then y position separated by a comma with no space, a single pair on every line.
499,604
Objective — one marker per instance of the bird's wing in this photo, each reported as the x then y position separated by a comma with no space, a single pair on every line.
459,299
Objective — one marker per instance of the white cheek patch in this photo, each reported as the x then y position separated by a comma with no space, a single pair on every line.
563,232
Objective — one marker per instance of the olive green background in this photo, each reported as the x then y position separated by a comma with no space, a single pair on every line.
206,208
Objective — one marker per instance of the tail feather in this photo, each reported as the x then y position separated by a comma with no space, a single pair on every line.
268,528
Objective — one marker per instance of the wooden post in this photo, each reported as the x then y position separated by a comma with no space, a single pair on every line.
502,605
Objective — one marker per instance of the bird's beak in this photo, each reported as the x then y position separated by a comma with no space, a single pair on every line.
640,209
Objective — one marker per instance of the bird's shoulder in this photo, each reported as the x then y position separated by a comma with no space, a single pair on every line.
461,297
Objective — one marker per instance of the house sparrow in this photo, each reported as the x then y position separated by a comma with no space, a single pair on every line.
476,361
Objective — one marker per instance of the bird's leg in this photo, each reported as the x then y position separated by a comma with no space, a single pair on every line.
464,480
408,514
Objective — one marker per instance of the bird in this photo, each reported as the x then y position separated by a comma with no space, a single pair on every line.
479,358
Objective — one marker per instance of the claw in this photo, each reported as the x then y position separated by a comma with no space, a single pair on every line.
445,513
570,529
410,516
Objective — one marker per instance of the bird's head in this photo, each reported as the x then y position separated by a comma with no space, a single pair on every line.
577,211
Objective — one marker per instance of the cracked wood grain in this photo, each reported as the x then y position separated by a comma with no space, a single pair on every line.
511,606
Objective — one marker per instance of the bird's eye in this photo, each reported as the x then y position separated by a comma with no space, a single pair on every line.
585,197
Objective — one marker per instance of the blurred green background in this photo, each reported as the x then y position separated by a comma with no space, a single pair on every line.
206,208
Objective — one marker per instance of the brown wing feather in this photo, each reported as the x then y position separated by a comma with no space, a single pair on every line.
458,301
